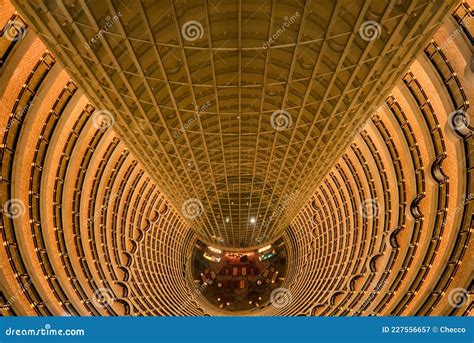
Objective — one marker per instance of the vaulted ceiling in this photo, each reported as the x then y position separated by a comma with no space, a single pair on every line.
238,108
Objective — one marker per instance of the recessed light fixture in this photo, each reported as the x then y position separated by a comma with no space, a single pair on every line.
252,220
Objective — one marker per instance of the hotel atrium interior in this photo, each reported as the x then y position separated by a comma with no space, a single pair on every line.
237,157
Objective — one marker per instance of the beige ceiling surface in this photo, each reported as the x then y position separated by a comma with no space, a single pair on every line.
237,108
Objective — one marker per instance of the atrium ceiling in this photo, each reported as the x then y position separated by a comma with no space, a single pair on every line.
238,109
